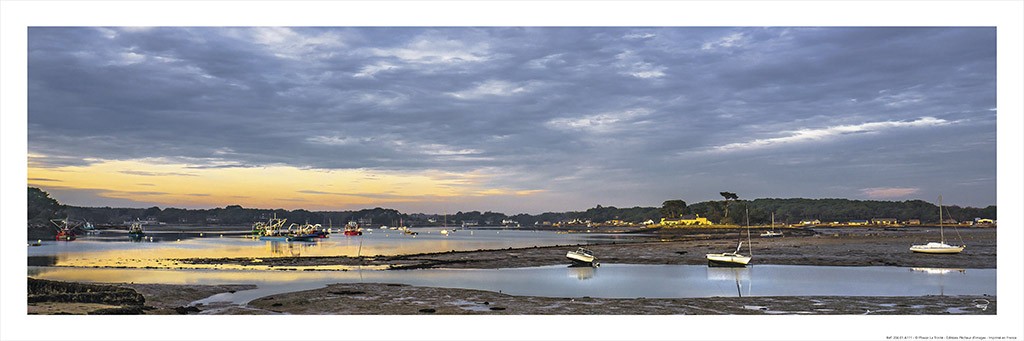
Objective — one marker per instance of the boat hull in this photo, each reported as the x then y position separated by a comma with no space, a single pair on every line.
937,248
581,259
771,234
727,260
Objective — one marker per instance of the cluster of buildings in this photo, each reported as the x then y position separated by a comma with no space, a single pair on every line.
585,222
893,222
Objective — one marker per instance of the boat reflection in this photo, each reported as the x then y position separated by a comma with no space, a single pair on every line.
581,272
731,274
295,248
938,271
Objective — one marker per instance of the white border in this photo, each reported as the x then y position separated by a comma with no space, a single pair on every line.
16,16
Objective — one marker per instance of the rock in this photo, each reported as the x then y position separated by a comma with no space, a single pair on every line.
186,310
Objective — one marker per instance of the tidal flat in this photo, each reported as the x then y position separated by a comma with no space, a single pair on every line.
853,247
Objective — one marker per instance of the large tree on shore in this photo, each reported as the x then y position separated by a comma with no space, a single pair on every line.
673,209
728,196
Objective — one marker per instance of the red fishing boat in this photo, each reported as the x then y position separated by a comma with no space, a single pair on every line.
65,230
352,229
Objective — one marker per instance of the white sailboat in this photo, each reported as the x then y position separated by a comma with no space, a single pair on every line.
772,233
940,247
732,258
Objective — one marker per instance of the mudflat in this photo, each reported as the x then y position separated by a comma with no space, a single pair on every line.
823,246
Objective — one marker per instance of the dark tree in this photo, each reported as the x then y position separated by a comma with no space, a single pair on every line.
728,196
673,209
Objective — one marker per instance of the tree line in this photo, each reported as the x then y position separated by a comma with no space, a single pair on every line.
41,208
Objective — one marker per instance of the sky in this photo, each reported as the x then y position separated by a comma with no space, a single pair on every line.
509,119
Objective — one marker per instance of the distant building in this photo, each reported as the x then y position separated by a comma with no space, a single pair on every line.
884,221
469,223
857,222
914,222
687,220
365,221
648,222
982,222
810,222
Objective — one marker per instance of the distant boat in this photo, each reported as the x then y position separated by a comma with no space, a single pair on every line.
352,229
273,227
582,256
65,230
772,233
732,258
135,230
939,247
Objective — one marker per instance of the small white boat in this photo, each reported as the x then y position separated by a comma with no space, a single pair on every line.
732,258
772,233
444,232
582,256
939,247
933,247
728,258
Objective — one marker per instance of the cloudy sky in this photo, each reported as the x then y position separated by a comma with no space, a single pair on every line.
509,119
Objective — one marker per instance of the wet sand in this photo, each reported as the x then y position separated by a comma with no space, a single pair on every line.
398,299
825,246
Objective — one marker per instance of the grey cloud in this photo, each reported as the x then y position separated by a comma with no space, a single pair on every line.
218,97
148,173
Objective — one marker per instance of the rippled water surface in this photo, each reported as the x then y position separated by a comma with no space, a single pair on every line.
609,280
115,248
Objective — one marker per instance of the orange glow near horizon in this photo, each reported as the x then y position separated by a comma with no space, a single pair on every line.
177,185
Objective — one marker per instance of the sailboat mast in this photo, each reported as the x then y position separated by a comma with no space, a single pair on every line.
750,247
942,234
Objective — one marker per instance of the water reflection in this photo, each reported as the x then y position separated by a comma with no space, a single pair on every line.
939,271
615,281
732,274
293,249
582,272
112,248
940,274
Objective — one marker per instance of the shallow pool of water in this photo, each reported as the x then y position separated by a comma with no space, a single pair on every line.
114,248
607,281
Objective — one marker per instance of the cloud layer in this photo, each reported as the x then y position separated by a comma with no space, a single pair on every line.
574,116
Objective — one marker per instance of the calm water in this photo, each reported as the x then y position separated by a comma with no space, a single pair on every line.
609,280
114,248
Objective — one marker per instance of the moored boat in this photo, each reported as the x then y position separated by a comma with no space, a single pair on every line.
733,258
939,247
352,229
582,256
772,233
728,258
65,229
135,230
